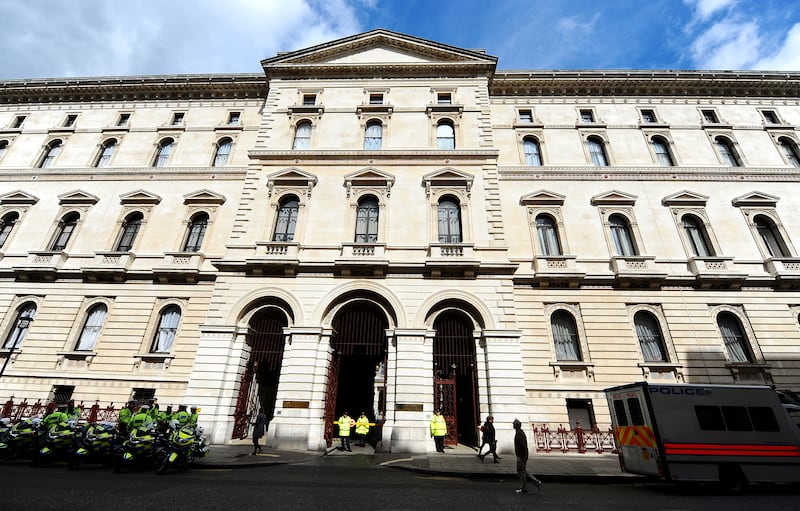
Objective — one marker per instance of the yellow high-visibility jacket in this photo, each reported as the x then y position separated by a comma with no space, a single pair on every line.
438,425
362,425
345,423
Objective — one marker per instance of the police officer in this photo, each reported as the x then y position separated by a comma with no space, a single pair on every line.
182,416
345,423
438,430
72,411
141,419
362,428
193,416
57,416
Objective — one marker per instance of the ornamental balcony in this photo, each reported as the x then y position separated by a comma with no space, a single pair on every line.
179,267
451,260
41,265
364,259
109,266
557,268
784,269
639,270
715,271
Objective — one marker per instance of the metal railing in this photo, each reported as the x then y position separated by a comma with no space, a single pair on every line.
577,441
24,409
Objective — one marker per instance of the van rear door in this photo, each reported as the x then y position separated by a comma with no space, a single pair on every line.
634,432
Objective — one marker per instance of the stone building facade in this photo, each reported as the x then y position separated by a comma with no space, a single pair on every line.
388,224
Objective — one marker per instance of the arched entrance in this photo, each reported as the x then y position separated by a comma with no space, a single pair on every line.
357,371
455,376
259,385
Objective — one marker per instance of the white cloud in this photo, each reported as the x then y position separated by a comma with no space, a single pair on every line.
787,57
727,45
60,38
704,9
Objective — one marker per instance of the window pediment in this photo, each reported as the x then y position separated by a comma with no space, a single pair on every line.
142,197
369,177
203,197
542,198
448,178
291,177
614,198
685,198
78,197
756,199
18,198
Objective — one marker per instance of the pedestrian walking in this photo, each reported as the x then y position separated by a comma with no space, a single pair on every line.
345,423
438,430
489,439
259,427
362,428
521,451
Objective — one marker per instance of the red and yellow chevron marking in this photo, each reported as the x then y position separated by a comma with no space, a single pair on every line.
782,451
635,436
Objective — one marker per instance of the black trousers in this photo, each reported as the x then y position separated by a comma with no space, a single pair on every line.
439,441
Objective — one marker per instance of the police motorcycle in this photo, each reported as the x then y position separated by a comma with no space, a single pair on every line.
5,429
98,444
21,439
59,442
144,448
186,445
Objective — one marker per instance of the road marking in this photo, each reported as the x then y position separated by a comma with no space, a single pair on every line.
396,461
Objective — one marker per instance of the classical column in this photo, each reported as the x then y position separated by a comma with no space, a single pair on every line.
409,392
504,384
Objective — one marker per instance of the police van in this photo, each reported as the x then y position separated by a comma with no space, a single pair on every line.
733,434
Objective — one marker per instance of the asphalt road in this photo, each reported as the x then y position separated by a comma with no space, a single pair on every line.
342,484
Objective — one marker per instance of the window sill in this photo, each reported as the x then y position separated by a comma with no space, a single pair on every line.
445,109
116,129
568,369
153,360
229,127
658,370
171,127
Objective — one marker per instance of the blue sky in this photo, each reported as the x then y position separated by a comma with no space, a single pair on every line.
69,38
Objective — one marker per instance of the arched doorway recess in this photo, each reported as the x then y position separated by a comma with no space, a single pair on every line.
356,375
259,384
455,376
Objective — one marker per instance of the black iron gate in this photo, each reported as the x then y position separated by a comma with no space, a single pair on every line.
445,400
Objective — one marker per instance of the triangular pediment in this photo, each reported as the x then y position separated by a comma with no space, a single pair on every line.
448,177
18,198
542,198
77,197
369,176
756,199
375,50
291,176
203,196
139,197
685,198
615,198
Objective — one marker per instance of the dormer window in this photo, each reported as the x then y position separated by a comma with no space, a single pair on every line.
444,98
309,99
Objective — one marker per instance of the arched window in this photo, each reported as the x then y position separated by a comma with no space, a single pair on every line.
790,151
650,339
50,153
697,236
449,221
91,328
7,224
106,152
565,336
19,329
727,152
735,339
130,228
196,233
164,150
223,151
533,154
3,148
66,226
772,239
373,136
302,135
445,135
367,220
287,219
661,148
547,235
168,322
597,151
622,236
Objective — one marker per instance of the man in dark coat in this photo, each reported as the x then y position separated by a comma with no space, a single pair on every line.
521,450
258,430
489,439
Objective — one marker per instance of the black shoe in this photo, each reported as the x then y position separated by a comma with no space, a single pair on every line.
521,491
481,456
498,458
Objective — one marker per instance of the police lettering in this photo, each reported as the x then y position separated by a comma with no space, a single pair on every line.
681,391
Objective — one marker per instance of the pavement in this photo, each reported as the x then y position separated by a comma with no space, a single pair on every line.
460,461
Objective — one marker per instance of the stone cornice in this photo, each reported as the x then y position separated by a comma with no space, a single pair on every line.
646,83
376,157
123,173
129,88
677,174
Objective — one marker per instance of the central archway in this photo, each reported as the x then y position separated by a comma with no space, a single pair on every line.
357,369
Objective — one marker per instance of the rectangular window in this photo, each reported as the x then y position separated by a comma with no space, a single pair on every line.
637,418
62,394
648,116
123,120
309,99
587,116
619,411
70,120
144,395
444,98
763,418
770,117
376,99
710,117
736,418
580,413
177,119
525,116
709,418
18,121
